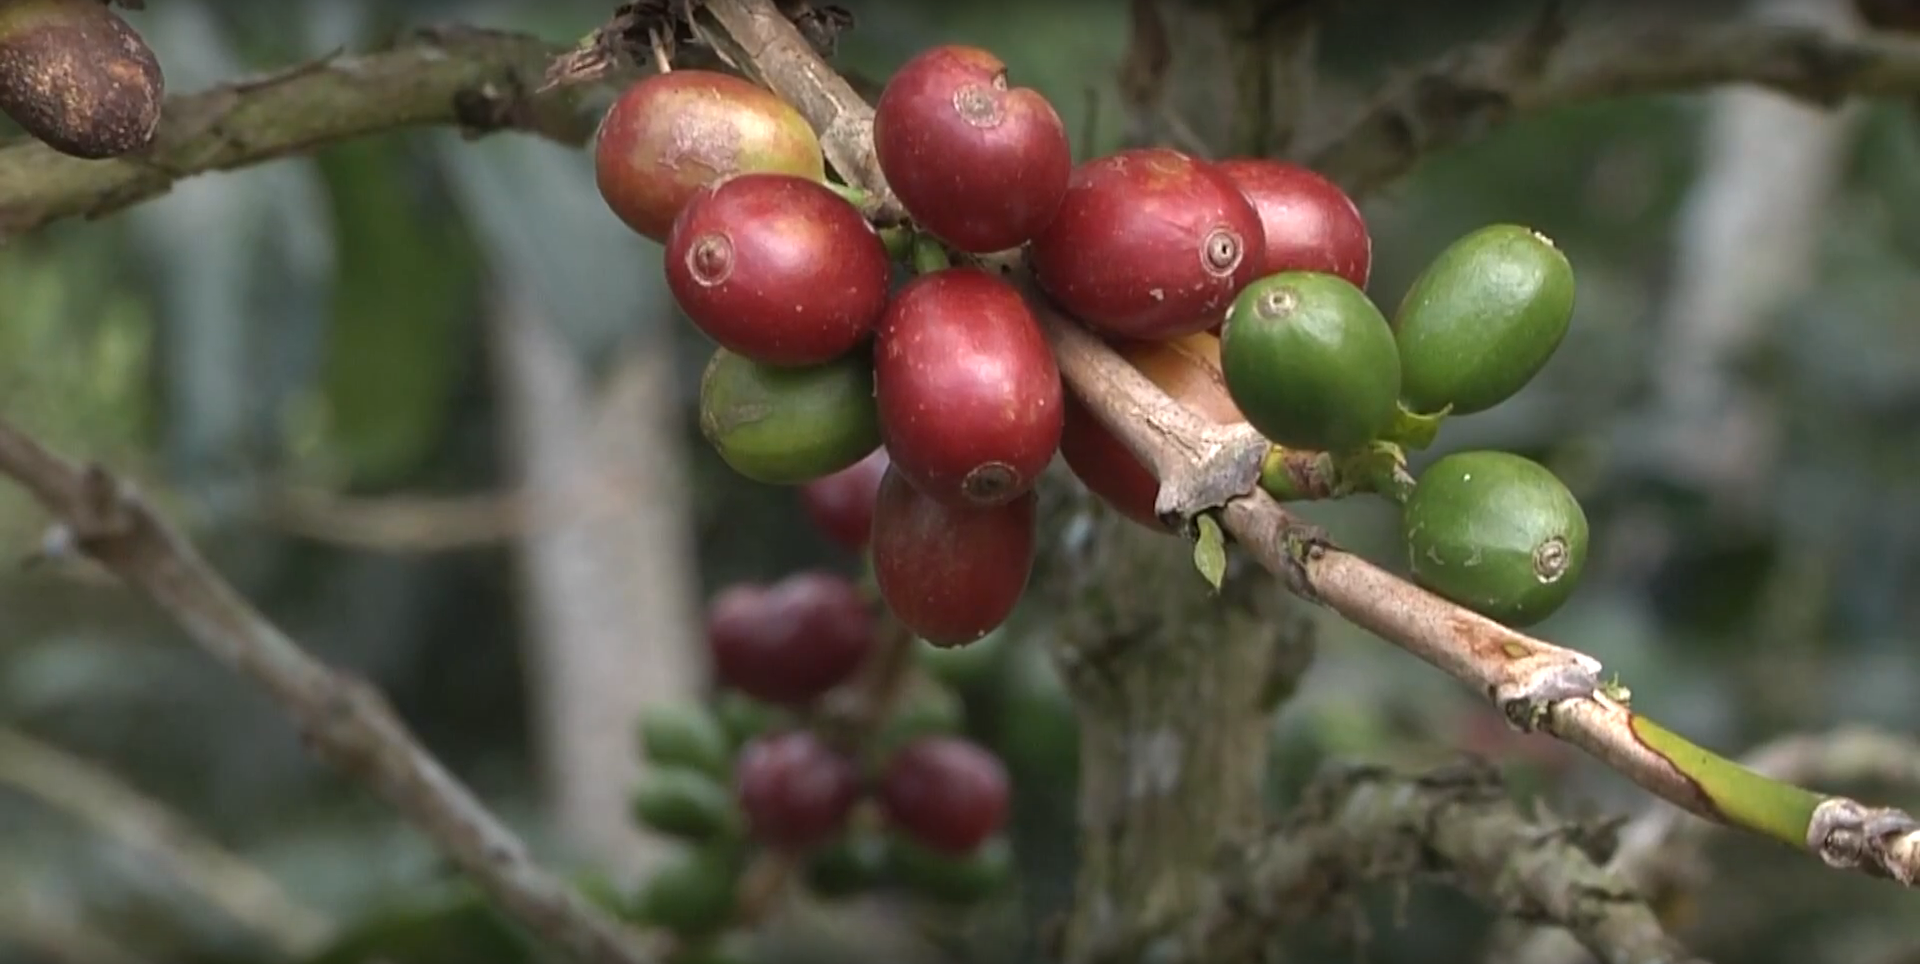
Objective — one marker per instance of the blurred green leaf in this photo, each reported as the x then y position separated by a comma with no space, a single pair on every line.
451,925
403,310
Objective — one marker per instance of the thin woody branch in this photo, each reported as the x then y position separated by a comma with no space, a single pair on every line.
478,79
1555,60
343,719
1363,824
482,80
106,805
1659,852
1537,684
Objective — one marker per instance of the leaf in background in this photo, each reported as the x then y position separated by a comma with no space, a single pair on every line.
75,350
540,219
451,926
402,310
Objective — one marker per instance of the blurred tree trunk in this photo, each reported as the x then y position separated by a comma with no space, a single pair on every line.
606,562
1748,241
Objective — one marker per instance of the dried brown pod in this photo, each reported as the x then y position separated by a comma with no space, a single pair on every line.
78,77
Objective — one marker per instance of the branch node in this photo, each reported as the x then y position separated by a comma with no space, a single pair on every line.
1884,841
1226,465
1535,684
1304,544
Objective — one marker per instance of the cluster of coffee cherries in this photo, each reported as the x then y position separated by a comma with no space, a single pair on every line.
1238,285
806,757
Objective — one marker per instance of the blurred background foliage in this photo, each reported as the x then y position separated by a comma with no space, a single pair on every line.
315,324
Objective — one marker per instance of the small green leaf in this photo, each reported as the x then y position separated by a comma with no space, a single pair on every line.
1210,551
1412,430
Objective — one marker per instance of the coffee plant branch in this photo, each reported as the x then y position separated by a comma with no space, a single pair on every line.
1554,60
1538,685
477,79
342,719
1660,854
483,81
487,80
1459,823
95,798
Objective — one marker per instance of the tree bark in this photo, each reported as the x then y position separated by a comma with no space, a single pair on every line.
1175,688
610,590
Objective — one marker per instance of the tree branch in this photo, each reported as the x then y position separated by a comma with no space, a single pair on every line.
343,719
1660,854
1553,61
1537,684
481,80
87,793
1174,686
1361,824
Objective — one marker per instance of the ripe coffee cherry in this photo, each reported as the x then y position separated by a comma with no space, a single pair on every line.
978,164
671,134
1496,533
795,790
778,268
949,574
1482,320
1311,362
945,792
841,504
785,426
792,641
1309,223
1149,244
1188,370
969,394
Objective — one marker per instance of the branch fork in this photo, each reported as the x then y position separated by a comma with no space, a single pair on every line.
1201,465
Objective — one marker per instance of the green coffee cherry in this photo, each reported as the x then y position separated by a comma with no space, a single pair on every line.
788,426
1496,533
685,803
949,879
686,735
964,667
927,709
853,864
743,717
1482,320
1310,361
692,896
1038,729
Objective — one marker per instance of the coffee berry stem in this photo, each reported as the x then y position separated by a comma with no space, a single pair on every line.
853,194
1301,475
1414,430
898,239
929,255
